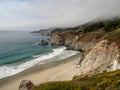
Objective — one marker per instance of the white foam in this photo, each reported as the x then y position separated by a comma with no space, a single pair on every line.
60,53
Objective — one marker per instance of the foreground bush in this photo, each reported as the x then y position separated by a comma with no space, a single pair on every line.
103,81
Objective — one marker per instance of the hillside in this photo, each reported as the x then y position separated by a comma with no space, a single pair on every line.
74,38
103,81
99,44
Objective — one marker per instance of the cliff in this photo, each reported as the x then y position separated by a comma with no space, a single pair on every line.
99,44
85,36
99,52
77,40
102,57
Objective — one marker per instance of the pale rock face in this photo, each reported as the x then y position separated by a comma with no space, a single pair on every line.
115,66
102,57
57,40
26,85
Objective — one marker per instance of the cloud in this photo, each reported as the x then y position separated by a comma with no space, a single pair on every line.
36,14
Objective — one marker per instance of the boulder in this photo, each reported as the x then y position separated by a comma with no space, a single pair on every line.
26,85
43,42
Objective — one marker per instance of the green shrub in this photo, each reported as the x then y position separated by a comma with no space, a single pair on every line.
103,81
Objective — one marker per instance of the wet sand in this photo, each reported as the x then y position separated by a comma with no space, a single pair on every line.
53,71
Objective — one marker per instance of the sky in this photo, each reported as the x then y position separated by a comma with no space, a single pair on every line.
37,14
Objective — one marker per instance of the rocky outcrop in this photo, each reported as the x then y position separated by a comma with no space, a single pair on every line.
26,85
43,42
68,39
76,40
99,50
99,43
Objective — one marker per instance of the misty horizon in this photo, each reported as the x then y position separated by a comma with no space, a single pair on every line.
29,15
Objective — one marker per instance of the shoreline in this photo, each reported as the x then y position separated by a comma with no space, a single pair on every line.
55,54
43,73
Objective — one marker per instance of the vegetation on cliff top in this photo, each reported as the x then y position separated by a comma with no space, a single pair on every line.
111,27
103,81
114,36
107,25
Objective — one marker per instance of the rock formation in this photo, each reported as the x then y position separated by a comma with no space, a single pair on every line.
26,85
100,50
43,42
76,40
98,42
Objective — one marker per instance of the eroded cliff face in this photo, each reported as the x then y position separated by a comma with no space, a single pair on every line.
75,40
102,57
97,54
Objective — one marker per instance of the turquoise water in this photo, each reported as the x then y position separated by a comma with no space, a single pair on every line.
20,46
19,51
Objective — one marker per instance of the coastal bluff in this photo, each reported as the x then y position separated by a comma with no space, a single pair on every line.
99,59
97,54
98,43
96,67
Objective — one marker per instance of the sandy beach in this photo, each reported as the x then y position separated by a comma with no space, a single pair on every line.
52,71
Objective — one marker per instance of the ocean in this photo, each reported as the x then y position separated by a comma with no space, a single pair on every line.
20,51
